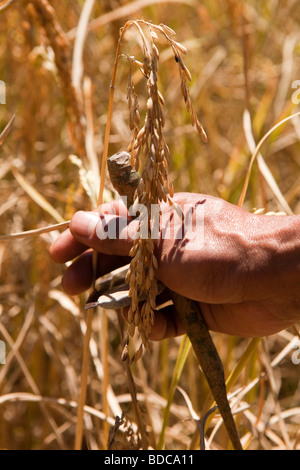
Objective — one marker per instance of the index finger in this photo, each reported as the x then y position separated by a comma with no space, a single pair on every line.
66,247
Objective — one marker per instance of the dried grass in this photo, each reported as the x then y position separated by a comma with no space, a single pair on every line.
44,328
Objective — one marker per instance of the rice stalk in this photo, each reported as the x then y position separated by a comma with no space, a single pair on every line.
256,152
263,166
35,232
59,402
148,150
37,197
90,142
125,11
5,4
278,411
104,360
32,384
7,129
83,381
82,30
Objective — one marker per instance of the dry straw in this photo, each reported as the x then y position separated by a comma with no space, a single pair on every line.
44,15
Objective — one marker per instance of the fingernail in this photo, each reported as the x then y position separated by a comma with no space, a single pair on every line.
83,224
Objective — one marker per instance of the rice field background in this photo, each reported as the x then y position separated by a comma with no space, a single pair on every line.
242,56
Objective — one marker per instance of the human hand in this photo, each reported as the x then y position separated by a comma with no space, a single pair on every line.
243,269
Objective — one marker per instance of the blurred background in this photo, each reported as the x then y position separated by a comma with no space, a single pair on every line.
242,56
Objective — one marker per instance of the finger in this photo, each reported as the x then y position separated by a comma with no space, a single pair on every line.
79,276
166,324
66,248
163,298
109,234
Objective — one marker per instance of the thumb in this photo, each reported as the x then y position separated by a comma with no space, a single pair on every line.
106,233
